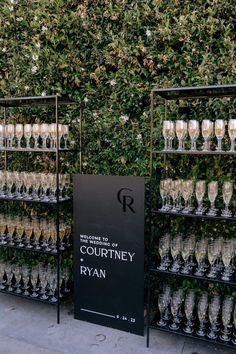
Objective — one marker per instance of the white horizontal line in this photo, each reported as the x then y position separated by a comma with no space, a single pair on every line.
98,313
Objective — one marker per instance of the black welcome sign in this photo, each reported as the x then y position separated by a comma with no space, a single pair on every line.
109,251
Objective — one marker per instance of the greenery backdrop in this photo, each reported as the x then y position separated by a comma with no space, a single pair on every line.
109,54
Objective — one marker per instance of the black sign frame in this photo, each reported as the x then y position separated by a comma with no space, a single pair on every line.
109,251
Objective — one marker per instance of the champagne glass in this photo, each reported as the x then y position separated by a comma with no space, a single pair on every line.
28,183
200,254
9,132
36,134
53,134
212,194
227,195
193,130
174,194
52,186
227,254
201,311
45,187
3,230
11,229
232,132
212,256
9,274
25,278
53,287
181,128
219,133
207,132
68,233
162,306
65,132
166,133
185,253
9,184
164,247
187,193
2,135
18,179
20,230
27,134
62,234
200,190
188,307
53,230
28,233
175,249
213,312
174,306
226,318
37,233
34,282
234,320
44,283
17,274
44,132
46,233
19,131
36,181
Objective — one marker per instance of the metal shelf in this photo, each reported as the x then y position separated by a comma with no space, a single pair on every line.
54,202
195,216
196,92
189,152
153,325
204,278
36,101
41,251
3,291
54,150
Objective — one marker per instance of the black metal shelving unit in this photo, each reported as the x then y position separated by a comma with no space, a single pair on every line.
55,101
182,93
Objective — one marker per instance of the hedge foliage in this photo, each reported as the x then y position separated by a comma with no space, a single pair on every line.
108,55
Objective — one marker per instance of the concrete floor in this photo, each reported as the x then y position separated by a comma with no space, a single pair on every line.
30,328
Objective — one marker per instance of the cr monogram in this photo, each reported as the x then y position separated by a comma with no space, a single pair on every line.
125,199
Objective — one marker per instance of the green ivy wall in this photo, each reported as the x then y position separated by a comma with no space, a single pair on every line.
109,55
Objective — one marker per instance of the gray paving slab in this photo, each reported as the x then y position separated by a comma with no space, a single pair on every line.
30,328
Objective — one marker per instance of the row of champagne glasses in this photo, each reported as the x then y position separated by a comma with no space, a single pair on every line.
181,129
174,191
39,282
47,133
34,233
206,316
213,258
34,186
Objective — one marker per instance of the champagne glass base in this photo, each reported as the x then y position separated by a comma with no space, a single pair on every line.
201,333
174,327
226,214
212,212
188,330
225,277
225,338
161,323
34,294
212,335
